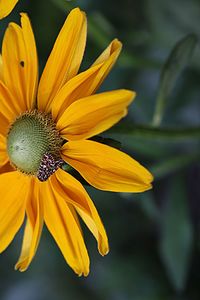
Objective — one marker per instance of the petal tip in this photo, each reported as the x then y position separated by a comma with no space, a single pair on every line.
18,267
129,94
150,178
77,10
84,273
23,14
117,43
147,186
21,266
104,252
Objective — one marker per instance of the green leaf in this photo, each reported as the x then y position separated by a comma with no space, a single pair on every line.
177,60
172,164
176,235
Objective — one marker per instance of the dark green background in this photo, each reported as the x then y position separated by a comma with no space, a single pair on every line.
155,236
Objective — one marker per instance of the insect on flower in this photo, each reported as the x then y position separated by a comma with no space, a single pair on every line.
46,125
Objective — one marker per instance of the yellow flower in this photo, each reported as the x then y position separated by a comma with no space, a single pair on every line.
44,126
6,6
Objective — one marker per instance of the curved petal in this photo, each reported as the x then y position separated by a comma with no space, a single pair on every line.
6,6
74,193
94,114
106,168
65,230
65,58
9,107
87,82
3,154
1,67
4,124
108,57
14,189
33,229
20,65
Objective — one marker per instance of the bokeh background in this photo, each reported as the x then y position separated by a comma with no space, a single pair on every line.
155,236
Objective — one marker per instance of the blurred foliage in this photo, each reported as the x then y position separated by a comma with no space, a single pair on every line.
179,57
154,236
177,235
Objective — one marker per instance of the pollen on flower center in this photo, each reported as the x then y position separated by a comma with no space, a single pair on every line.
31,139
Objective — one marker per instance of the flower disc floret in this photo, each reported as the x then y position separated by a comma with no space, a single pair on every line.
30,137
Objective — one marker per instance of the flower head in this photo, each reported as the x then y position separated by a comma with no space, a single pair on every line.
6,6
45,126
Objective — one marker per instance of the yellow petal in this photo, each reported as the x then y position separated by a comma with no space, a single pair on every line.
108,58
6,6
33,229
106,168
9,107
65,58
1,67
4,125
63,226
87,82
14,189
75,215
3,154
20,65
94,114
74,193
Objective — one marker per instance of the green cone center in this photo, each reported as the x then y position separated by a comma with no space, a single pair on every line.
30,137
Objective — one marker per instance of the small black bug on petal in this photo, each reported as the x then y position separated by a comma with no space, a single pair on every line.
22,63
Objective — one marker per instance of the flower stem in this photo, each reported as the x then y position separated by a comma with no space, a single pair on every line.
165,133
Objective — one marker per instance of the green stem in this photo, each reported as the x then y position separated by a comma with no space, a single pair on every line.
168,133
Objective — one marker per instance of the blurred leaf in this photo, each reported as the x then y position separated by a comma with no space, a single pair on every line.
146,202
64,5
176,235
148,205
100,30
177,60
182,21
172,164
133,60
131,277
